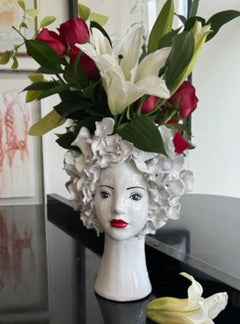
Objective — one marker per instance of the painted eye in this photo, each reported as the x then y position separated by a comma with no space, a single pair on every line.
104,195
136,197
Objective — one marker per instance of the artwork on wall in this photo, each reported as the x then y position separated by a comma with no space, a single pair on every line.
18,170
15,145
11,14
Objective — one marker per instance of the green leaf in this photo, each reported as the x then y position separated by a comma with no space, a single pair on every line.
143,134
5,57
23,25
100,19
21,4
47,123
65,140
162,26
43,54
166,40
36,78
32,12
47,88
46,21
15,63
94,24
65,108
41,85
182,18
219,19
55,90
83,11
194,8
45,70
75,75
33,95
179,58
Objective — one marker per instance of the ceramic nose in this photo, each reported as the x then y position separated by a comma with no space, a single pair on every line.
118,205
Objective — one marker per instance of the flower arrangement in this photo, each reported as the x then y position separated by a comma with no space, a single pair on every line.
139,84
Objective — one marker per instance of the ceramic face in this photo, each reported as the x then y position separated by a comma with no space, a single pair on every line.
122,201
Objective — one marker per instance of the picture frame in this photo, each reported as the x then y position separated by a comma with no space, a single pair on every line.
21,170
11,15
73,8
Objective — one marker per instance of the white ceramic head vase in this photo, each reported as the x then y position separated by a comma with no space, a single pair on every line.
127,193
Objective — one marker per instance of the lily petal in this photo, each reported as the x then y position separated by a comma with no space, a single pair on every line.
194,310
129,50
120,92
154,86
101,43
152,63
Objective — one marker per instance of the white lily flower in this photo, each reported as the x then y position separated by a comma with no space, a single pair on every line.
193,310
125,80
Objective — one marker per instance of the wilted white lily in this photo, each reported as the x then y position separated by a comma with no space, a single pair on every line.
193,310
125,80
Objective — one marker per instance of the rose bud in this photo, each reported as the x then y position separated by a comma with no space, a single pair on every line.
186,98
74,31
87,64
149,104
52,39
180,143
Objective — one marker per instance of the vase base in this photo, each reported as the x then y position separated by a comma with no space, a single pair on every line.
122,299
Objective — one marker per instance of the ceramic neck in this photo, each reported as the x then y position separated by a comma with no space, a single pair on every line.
123,273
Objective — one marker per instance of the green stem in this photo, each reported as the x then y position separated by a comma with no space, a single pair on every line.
18,31
159,104
169,117
120,119
60,78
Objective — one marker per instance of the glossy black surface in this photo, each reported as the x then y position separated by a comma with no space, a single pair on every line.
49,261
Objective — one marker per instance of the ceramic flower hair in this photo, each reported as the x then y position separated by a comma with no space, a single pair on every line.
166,179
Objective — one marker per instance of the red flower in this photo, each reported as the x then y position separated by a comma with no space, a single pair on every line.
180,143
87,64
186,97
74,31
54,40
149,104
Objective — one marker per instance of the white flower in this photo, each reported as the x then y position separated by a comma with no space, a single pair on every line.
125,80
193,310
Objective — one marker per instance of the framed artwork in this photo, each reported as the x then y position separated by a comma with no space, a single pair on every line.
11,15
20,154
73,8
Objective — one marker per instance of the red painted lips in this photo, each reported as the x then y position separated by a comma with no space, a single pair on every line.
119,223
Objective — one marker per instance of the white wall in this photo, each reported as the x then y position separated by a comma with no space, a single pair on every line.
216,159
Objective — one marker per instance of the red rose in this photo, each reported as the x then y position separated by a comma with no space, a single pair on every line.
52,39
149,104
74,31
186,97
87,64
180,143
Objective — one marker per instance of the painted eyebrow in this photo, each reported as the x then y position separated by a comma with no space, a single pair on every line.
135,188
106,186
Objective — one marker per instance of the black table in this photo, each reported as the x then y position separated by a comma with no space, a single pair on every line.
49,261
